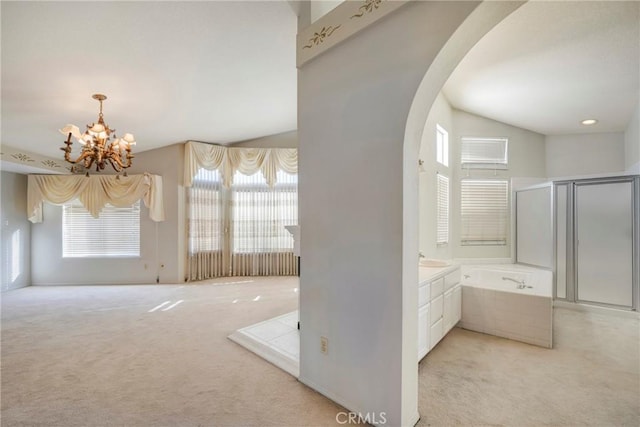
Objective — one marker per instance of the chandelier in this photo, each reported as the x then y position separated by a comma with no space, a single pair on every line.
99,145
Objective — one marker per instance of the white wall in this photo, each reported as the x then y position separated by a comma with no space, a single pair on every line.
169,162
281,140
526,151
584,154
440,114
632,143
319,8
354,102
50,268
15,240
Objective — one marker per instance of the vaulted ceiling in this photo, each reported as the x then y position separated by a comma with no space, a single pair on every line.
550,65
225,71
211,71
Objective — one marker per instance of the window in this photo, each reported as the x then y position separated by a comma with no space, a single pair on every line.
484,212
484,153
240,231
442,219
116,233
260,213
442,145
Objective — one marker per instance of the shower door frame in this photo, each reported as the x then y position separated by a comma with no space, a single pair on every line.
571,261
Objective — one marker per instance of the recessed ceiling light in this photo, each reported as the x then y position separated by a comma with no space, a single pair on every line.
588,122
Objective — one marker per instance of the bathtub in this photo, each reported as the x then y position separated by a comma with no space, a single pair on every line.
509,301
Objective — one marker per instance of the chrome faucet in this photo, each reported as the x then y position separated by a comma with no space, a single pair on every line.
421,255
519,282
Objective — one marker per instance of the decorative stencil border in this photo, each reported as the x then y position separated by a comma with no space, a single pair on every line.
319,37
339,24
15,155
367,7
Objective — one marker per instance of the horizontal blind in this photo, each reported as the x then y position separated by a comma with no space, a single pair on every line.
484,153
116,233
484,211
442,219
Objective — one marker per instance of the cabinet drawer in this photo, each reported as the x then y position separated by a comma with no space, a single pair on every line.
437,287
452,279
435,312
435,334
423,294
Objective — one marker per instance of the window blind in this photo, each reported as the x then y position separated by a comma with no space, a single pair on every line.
116,233
442,216
484,153
484,211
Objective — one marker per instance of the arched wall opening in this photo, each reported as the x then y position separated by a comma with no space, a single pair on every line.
362,109
478,23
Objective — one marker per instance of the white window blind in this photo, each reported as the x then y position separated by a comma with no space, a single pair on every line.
484,153
442,219
442,145
116,233
484,211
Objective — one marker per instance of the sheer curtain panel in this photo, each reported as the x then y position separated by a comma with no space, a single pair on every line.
261,246
240,200
208,247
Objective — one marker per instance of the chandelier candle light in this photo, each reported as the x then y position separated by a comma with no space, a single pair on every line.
99,145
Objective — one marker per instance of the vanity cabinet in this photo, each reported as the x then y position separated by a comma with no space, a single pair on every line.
439,307
423,331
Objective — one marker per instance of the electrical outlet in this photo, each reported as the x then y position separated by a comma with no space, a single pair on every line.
324,345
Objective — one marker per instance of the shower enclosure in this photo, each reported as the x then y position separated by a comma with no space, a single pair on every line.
596,241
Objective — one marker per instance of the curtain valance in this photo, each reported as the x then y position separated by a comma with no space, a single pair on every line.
94,192
247,161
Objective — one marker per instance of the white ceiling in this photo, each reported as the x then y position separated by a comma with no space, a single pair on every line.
225,71
552,64
209,71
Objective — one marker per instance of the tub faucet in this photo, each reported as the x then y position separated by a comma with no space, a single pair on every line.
421,255
519,282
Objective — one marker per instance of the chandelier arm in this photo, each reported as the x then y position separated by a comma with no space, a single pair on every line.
67,155
88,162
129,158
115,165
115,160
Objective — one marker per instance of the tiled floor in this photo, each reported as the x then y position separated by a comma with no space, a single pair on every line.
276,340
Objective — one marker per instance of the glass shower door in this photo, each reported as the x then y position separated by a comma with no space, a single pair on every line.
604,242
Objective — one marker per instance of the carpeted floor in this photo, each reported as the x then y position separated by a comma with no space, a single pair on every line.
102,356
591,377
96,356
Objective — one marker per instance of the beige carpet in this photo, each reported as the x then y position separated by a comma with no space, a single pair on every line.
97,356
591,377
